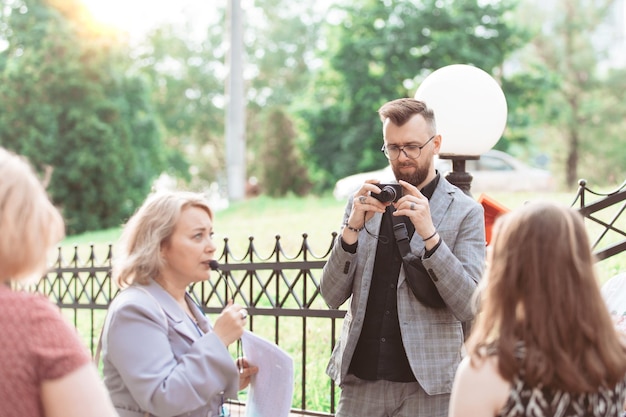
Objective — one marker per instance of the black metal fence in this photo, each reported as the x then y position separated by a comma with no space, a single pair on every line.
281,293
606,220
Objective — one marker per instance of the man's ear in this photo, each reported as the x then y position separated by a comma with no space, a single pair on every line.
437,141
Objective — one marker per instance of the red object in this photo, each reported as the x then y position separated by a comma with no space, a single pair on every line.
493,210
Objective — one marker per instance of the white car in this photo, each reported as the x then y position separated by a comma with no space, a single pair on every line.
495,171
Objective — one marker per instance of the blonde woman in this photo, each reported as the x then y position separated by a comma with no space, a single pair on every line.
161,355
544,343
45,370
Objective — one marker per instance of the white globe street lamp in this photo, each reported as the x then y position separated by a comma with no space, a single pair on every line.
470,110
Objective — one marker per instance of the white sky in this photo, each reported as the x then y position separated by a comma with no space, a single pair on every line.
139,16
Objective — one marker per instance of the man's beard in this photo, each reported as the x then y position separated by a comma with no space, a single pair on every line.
416,178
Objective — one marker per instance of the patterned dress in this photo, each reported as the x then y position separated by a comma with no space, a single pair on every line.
527,401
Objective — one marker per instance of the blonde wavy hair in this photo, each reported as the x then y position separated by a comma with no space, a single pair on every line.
30,225
150,227
540,293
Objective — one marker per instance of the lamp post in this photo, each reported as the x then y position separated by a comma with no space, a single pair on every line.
470,111
459,176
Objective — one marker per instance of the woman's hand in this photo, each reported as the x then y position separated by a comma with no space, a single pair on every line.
245,372
229,325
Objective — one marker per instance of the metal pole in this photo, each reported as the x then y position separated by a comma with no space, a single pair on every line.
458,176
235,109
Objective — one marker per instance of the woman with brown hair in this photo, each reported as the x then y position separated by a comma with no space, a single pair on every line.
543,343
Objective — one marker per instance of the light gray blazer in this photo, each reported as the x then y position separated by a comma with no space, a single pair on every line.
432,338
156,360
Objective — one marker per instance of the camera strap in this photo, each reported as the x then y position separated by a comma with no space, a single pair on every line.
417,277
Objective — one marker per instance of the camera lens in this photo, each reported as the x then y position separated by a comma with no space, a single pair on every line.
387,194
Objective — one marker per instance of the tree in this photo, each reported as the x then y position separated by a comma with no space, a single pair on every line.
188,75
283,39
283,170
67,101
603,155
580,111
381,50
187,93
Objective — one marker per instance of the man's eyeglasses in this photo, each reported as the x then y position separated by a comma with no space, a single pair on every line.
392,152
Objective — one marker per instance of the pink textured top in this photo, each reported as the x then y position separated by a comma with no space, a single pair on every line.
36,344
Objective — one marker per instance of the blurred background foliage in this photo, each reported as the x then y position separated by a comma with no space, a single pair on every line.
104,116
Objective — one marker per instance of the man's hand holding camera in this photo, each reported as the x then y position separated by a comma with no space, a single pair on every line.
374,197
363,208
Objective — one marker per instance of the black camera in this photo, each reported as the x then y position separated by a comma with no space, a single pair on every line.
388,193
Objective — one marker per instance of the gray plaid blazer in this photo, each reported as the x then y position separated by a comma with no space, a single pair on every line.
433,338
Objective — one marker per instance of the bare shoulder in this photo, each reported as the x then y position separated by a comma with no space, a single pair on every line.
478,389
